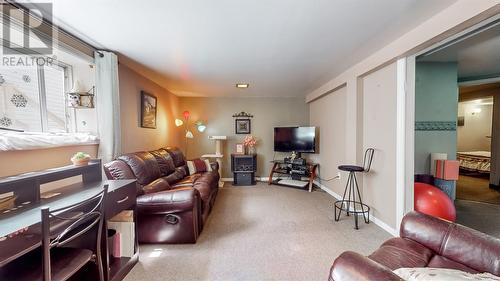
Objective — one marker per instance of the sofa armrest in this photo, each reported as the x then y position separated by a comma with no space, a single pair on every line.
351,266
214,165
169,201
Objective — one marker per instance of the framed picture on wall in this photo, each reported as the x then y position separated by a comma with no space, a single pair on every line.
148,110
242,126
240,149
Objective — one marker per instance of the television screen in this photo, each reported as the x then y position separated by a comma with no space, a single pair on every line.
298,139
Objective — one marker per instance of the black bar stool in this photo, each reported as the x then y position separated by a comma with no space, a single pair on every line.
358,207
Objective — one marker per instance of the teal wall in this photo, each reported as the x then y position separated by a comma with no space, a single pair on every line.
436,99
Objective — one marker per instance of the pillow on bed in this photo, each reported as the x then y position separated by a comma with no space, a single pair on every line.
441,274
198,166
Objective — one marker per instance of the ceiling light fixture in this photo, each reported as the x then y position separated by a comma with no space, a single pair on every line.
242,85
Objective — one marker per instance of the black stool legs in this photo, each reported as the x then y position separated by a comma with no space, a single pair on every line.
358,207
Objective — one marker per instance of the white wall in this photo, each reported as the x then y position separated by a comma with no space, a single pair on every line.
379,132
380,193
475,135
329,115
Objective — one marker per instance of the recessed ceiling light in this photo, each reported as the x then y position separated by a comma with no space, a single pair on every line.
242,85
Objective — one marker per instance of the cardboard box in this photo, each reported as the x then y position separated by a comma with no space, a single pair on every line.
447,169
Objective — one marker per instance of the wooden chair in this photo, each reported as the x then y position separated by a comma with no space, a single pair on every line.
64,253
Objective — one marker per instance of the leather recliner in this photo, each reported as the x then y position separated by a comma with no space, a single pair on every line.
424,241
172,205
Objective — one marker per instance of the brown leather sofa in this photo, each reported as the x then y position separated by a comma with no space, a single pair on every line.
172,205
424,241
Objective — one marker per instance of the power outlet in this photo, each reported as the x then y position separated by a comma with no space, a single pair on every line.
339,176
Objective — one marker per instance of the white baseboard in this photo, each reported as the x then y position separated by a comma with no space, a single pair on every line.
375,220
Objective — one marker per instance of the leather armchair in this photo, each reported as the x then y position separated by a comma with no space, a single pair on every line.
424,241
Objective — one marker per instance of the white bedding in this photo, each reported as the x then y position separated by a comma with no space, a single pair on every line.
26,141
476,161
476,153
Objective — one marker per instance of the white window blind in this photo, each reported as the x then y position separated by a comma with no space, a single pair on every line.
54,94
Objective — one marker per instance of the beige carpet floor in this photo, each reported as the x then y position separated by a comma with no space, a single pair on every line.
261,233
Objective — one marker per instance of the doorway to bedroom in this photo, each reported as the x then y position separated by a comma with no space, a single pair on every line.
474,138
457,123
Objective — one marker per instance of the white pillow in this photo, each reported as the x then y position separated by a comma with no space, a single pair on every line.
441,274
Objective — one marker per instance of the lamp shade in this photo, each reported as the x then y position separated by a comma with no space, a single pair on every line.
201,128
189,135
186,114
178,122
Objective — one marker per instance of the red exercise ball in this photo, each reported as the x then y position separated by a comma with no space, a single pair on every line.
432,201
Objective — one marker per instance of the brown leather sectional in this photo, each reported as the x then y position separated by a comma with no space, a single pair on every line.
172,205
424,241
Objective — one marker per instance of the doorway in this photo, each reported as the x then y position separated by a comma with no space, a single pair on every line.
457,96
474,138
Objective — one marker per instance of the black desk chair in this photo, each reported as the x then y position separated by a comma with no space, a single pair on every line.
63,252
352,189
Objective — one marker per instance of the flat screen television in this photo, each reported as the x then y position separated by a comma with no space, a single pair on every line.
298,139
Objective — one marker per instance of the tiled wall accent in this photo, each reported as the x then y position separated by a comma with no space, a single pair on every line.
435,126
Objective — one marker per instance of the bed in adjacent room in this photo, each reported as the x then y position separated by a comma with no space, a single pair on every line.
475,161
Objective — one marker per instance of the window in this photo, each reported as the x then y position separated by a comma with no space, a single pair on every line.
32,98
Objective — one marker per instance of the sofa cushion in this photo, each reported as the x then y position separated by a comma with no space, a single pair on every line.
177,156
167,202
165,161
118,170
410,246
156,186
187,181
442,262
398,252
182,171
442,274
143,165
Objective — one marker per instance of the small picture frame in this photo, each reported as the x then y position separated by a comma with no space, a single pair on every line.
242,126
240,149
148,110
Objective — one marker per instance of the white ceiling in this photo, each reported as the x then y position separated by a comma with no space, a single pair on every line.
477,56
283,48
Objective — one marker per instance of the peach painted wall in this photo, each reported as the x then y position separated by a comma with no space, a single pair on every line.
135,138
22,161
